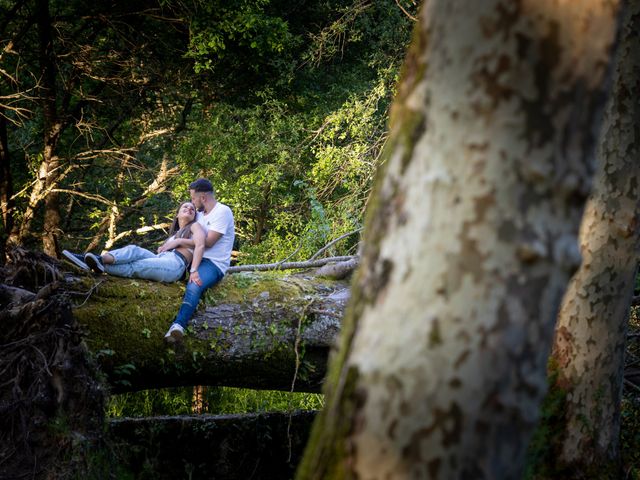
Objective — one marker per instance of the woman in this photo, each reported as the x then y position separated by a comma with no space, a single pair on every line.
168,265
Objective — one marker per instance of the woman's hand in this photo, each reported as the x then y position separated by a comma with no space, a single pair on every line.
195,278
169,245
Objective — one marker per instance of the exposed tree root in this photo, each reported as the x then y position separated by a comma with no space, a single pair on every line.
50,402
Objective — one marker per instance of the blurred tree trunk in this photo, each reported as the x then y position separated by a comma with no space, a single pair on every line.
470,242
587,361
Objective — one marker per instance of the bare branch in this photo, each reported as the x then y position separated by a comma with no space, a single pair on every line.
89,196
156,187
8,102
156,133
159,184
411,17
288,265
32,185
137,231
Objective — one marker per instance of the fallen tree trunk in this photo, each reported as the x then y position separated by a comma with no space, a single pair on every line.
264,331
234,447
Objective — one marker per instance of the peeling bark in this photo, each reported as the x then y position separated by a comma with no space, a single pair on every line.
588,353
470,241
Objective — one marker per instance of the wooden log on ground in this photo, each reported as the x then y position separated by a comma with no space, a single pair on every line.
234,447
255,330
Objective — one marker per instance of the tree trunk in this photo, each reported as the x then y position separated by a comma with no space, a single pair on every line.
588,353
52,129
244,336
6,188
48,171
263,212
470,241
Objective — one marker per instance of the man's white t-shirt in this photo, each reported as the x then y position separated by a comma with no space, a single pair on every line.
220,220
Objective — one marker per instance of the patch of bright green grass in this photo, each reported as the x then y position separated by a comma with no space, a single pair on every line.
215,400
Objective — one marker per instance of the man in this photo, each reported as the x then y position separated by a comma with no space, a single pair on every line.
217,220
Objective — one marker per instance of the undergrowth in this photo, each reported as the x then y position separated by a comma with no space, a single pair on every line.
212,400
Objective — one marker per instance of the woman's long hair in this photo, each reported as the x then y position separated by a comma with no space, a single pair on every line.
184,232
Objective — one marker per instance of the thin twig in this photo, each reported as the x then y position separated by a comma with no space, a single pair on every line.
91,290
287,258
405,12
632,385
296,347
44,359
89,196
333,242
632,363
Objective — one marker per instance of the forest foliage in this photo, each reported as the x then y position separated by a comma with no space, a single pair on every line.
109,110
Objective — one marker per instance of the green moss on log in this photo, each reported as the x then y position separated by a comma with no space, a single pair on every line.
244,327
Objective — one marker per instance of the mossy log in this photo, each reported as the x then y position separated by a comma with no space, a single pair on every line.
254,330
234,447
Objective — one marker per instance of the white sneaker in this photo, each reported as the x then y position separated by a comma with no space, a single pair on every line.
174,334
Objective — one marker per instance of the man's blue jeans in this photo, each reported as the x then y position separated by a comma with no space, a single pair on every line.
210,275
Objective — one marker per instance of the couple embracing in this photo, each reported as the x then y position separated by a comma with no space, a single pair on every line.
200,242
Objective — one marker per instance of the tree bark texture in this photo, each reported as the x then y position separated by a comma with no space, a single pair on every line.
470,241
52,129
252,330
49,169
588,353
232,447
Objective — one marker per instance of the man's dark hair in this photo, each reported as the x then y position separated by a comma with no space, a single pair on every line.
201,185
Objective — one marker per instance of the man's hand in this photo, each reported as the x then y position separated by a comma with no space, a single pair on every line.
195,278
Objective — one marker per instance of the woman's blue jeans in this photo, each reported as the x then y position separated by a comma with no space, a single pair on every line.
210,275
137,262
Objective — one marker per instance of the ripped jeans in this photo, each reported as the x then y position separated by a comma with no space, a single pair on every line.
210,275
